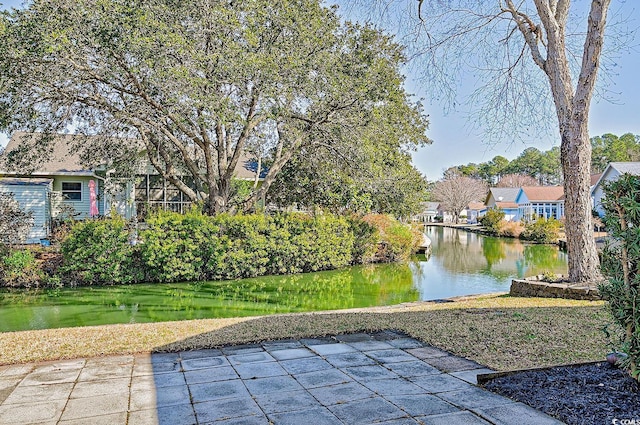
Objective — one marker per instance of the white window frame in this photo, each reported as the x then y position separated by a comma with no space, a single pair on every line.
66,191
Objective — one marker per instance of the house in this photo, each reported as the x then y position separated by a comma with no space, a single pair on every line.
428,214
66,179
611,173
475,210
540,201
62,184
504,199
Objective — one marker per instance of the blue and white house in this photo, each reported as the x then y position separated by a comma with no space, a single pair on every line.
540,201
60,184
504,198
611,173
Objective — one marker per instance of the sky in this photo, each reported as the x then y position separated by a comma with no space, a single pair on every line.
456,141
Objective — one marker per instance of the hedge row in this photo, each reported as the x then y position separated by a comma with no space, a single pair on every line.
185,247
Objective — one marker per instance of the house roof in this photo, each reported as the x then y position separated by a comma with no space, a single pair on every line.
429,206
25,182
621,167
477,206
595,178
64,157
544,193
626,167
508,194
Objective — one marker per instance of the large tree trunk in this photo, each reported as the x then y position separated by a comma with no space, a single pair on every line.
572,109
576,161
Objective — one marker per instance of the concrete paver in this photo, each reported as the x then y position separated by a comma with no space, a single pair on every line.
385,378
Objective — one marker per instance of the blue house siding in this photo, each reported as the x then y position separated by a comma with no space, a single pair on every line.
33,196
81,206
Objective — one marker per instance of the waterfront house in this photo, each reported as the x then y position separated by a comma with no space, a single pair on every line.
60,183
504,199
611,173
540,201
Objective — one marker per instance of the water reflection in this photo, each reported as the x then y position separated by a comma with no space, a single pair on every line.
461,263
465,263
353,287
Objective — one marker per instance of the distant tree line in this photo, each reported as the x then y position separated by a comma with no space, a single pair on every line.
534,167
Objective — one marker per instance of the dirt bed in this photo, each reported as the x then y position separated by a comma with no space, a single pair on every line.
591,394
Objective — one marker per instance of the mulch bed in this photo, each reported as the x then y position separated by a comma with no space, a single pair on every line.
589,394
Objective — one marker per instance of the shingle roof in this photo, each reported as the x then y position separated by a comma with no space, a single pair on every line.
477,206
508,194
65,157
595,178
626,167
507,204
544,193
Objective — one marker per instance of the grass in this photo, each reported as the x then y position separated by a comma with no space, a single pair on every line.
498,331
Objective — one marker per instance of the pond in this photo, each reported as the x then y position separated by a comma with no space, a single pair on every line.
461,263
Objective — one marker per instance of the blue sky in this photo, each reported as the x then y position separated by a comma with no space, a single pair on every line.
456,142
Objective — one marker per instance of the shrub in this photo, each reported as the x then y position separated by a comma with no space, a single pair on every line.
365,241
512,229
542,230
20,268
242,248
99,252
397,241
492,221
621,265
175,247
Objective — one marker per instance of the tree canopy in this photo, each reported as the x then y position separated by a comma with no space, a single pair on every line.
611,148
200,83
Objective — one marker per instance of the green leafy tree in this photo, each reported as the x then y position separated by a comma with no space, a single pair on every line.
492,171
384,183
528,163
198,83
611,148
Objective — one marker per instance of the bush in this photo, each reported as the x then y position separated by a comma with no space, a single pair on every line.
397,241
365,242
621,265
542,230
20,268
176,247
100,252
512,229
492,221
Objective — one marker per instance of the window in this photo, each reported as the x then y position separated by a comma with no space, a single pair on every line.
72,191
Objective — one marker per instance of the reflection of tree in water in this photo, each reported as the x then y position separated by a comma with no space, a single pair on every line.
462,252
544,258
458,251
493,250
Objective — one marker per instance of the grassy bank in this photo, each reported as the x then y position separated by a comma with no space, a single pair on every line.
498,331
